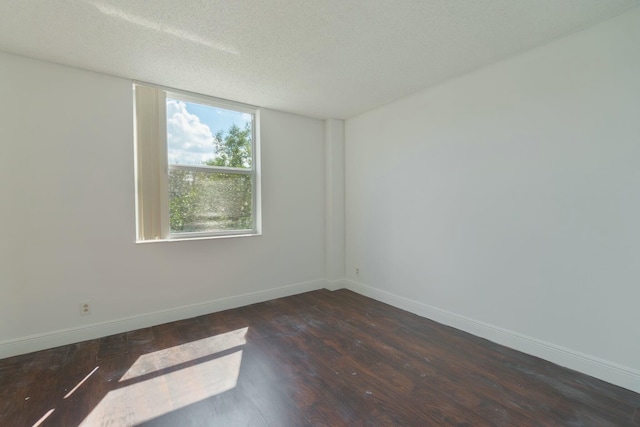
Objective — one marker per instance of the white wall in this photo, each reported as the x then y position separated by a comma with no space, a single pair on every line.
507,202
68,226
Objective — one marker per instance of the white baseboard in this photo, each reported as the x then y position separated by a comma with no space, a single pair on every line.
334,285
607,371
57,338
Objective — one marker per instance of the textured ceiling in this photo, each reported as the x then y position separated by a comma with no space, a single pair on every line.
320,58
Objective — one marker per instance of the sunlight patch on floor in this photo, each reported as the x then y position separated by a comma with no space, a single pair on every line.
144,394
173,356
44,418
81,382
145,400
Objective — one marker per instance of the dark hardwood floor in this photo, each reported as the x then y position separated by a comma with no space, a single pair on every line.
321,358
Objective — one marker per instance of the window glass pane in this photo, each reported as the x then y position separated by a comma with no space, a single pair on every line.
209,201
199,134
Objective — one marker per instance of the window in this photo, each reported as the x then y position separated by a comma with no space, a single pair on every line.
197,166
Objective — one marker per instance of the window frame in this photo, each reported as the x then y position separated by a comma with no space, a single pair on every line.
161,207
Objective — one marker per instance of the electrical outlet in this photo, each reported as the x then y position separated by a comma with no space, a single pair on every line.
85,308
357,271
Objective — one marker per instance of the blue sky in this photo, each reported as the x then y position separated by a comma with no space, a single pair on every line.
191,128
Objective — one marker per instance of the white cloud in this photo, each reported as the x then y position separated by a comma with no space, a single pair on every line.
189,141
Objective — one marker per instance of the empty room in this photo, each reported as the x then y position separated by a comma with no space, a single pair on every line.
322,213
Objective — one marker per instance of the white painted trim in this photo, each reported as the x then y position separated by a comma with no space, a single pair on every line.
57,338
611,372
334,285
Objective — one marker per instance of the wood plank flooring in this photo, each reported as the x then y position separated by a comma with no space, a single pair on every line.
321,358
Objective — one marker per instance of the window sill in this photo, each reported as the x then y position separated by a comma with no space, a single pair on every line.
189,239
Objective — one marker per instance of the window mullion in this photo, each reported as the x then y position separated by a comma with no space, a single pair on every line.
211,169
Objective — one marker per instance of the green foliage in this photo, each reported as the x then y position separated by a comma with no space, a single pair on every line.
233,201
234,149
200,201
184,196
